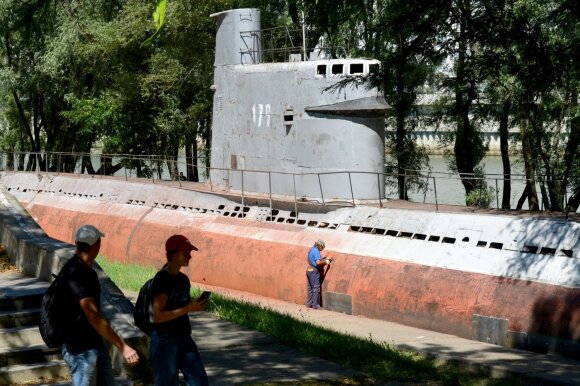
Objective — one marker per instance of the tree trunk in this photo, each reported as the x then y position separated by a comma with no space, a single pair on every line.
466,138
546,202
573,202
523,197
194,156
87,165
401,132
505,159
528,163
172,168
191,155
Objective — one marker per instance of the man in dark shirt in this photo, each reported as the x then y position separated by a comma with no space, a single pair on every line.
84,349
172,348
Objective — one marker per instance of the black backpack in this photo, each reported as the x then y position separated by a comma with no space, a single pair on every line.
143,314
51,327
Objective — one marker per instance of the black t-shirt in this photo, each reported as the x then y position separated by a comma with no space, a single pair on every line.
79,281
177,290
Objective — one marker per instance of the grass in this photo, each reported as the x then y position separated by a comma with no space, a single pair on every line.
379,362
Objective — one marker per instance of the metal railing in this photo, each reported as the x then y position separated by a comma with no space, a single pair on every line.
438,188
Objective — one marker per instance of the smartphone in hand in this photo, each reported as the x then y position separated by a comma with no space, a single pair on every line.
204,296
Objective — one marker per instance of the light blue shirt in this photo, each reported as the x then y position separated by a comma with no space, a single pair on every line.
313,255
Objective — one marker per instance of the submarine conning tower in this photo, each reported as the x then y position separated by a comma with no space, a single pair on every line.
281,127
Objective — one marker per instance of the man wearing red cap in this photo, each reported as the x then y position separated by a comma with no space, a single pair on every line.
172,348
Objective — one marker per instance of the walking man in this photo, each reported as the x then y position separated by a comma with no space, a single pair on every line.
313,274
172,348
84,349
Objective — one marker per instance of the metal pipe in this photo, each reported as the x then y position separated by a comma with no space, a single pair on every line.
566,201
496,195
425,190
379,186
242,189
321,194
270,190
295,199
351,191
435,190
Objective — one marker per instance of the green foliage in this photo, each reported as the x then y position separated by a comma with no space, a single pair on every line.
481,197
159,19
75,75
92,115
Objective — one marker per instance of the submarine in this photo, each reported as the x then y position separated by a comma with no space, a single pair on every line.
293,160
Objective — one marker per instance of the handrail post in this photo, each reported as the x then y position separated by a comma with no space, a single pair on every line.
351,191
152,171
496,195
242,189
426,189
566,201
209,178
479,202
320,184
435,190
46,162
379,187
405,185
270,190
295,199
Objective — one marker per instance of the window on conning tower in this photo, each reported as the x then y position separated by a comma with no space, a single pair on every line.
356,68
321,70
337,69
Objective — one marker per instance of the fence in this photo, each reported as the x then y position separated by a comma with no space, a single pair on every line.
436,188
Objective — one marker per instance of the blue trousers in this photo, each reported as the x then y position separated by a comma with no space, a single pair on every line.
313,288
90,367
171,353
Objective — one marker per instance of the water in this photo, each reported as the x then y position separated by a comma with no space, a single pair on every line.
450,190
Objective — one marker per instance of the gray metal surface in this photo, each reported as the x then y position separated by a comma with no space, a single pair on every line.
282,117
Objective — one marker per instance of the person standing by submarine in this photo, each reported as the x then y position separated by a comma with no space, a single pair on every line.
314,274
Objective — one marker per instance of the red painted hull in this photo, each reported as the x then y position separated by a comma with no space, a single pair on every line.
241,254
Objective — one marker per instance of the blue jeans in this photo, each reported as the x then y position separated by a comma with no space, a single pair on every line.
313,288
171,353
90,367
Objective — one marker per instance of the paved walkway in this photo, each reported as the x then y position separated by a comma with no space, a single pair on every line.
538,368
236,355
